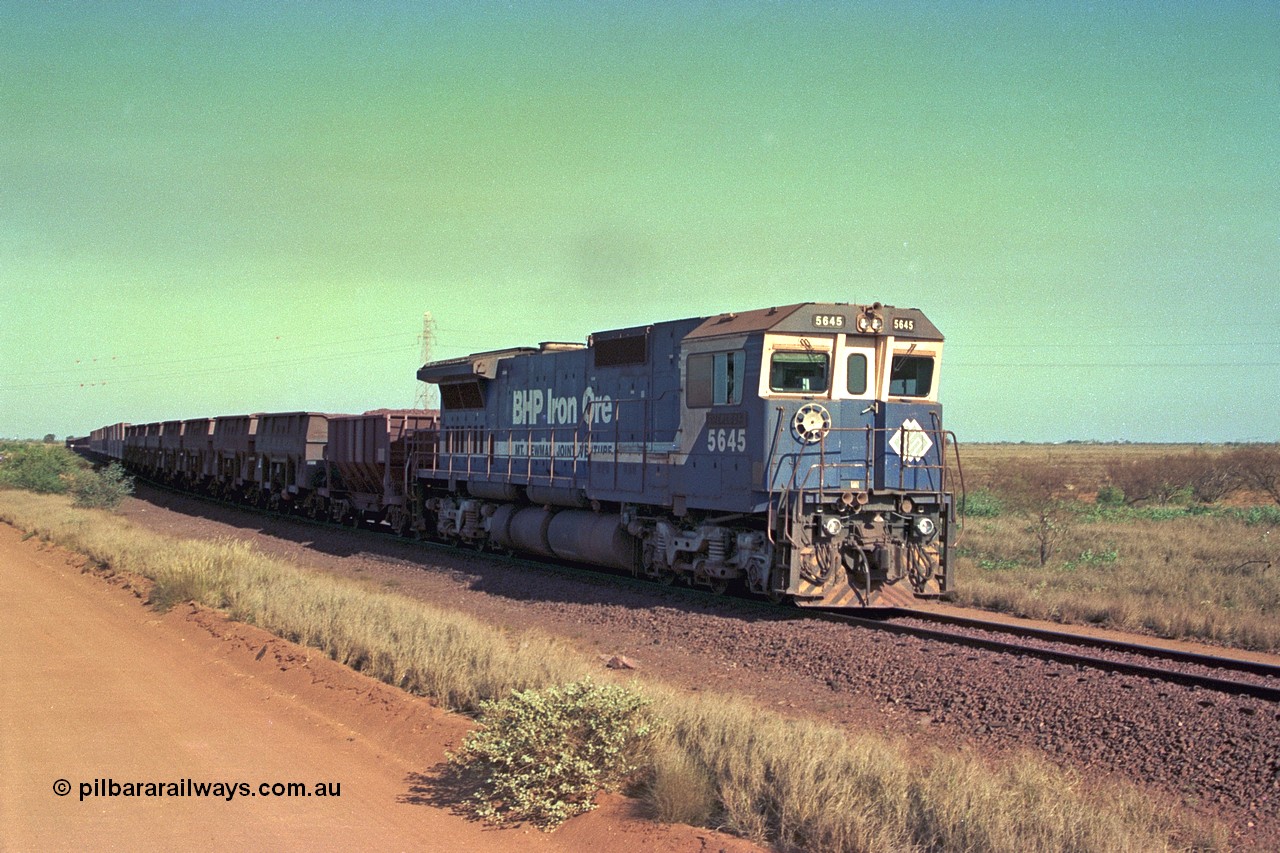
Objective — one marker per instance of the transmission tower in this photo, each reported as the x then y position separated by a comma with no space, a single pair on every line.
425,394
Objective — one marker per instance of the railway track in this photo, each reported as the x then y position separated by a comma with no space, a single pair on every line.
1207,672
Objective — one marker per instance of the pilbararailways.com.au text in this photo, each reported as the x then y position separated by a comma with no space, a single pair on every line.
192,788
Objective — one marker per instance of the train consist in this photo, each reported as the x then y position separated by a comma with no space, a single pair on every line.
797,451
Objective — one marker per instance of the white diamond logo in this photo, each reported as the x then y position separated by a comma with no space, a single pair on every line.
910,441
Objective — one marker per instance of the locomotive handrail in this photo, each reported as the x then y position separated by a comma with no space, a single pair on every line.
566,454
580,440
771,472
802,478
471,443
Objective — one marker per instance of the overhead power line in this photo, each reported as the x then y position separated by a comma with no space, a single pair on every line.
208,354
196,372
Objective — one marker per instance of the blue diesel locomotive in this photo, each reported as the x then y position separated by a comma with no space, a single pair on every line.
797,450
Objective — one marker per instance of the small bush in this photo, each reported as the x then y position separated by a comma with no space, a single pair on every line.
1109,495
1094,558
1258,467
981,503
1162,479
1258,515
999,565
101,489
542,755
44,468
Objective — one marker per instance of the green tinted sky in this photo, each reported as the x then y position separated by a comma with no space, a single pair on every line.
218,207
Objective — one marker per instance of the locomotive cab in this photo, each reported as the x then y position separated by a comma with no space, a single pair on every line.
848,451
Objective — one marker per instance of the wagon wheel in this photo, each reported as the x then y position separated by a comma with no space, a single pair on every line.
811,423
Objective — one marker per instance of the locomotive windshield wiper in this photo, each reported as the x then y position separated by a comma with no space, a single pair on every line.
902,359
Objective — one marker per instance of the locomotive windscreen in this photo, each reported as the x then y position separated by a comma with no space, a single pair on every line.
798,372
912,376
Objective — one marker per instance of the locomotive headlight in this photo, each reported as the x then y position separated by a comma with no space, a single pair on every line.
870,324
925,527
832,525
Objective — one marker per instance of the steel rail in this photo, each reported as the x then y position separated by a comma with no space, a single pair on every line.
883,621
1269,693
1219,662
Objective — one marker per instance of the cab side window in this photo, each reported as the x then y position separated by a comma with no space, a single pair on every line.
715,379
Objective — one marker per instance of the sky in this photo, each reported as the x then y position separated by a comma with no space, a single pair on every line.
223,207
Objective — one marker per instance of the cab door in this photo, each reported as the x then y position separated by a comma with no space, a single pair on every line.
854,399
908,422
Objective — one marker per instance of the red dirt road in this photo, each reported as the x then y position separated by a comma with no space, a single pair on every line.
95,686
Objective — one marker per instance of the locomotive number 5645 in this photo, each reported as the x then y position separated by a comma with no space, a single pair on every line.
722,440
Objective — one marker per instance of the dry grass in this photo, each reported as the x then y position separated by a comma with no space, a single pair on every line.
1182,571
807,786
426,651
798,785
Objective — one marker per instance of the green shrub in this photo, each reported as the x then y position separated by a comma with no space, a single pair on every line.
101,489
45,468
981,503
990,564
1258,515
1091,557
1110,495
542,755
